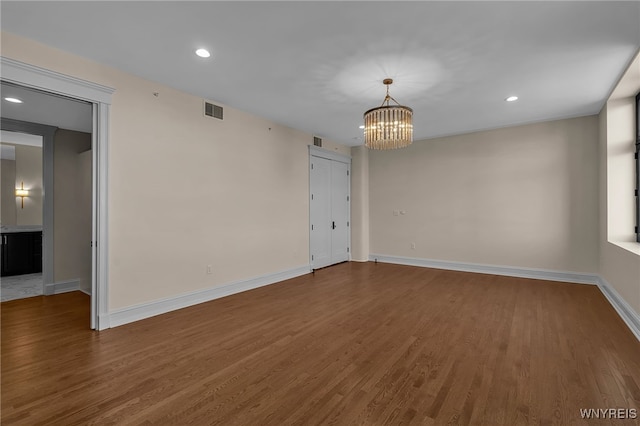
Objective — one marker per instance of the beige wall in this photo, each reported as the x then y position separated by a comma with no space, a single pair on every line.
71,219
27,168
7,191
619,253
521,196
187,191
360,204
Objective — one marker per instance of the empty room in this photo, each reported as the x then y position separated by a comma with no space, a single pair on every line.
320,212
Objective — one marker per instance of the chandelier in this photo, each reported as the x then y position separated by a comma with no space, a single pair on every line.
388,126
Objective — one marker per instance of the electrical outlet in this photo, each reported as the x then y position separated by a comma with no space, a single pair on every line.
209,269
413,246
396,212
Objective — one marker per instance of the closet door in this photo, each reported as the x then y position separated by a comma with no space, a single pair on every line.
320,212
329,200
339,212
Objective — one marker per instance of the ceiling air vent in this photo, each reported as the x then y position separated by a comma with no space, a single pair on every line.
211,110
317,141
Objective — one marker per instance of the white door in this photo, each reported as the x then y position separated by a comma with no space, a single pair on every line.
339,212
329,187
320,212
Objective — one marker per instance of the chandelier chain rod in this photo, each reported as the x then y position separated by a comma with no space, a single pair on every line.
386,99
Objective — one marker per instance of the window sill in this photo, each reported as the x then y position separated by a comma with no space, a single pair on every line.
631,246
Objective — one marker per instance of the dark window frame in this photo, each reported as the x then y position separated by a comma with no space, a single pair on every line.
637,158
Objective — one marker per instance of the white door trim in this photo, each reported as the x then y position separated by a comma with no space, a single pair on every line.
50,81
329,155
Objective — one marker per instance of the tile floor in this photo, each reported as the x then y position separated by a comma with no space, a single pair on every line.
20,287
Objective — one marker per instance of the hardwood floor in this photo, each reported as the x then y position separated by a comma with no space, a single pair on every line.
356,343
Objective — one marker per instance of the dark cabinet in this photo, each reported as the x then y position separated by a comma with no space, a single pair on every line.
21,253
36,254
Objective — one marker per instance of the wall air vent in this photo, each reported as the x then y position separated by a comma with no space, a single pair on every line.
317,141
211,110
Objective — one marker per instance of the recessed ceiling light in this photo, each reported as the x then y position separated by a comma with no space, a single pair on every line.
362,127
511,98
14,100
203,53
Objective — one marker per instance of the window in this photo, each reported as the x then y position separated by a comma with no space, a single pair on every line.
638,167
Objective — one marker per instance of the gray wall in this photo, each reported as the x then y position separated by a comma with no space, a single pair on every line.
72,215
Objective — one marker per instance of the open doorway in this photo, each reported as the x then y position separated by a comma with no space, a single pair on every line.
49,244
21,214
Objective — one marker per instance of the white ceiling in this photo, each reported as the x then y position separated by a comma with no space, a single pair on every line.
317,66
44,108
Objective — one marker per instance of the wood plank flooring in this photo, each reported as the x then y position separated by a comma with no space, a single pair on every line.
367,344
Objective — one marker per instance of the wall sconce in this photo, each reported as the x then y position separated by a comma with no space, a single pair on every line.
21,192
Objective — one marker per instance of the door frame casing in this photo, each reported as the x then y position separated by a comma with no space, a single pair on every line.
315,151
27,75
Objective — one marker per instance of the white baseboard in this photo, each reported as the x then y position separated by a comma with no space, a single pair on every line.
510,271
146,310
104,322
626,312
62,287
